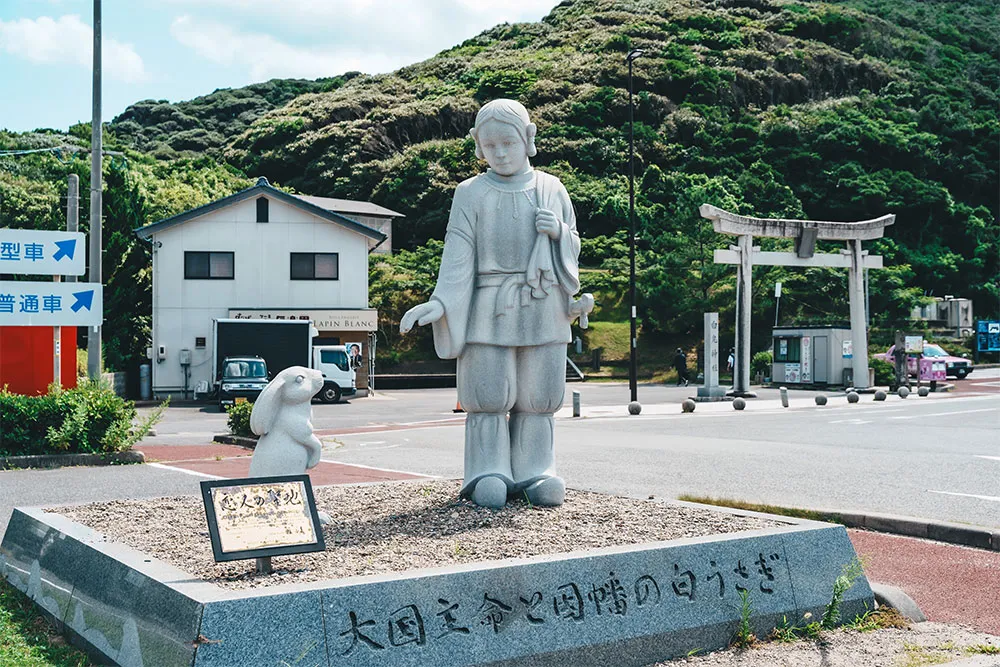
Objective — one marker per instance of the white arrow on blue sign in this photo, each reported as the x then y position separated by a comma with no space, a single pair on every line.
40,253
51,304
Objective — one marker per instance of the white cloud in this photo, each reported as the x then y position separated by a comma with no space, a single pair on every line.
267,57
368,35
69,41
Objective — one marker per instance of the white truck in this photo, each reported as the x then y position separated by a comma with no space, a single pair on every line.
278,344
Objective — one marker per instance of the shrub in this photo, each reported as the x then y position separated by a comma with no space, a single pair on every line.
88,419
761,363
239,419
885,372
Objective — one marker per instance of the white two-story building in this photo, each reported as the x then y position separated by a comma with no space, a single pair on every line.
260,254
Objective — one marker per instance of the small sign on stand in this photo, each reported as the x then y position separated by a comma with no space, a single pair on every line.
261,517
914,344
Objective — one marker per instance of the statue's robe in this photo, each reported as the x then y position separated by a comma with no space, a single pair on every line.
501,282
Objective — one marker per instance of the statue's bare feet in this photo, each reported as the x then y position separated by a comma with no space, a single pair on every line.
550,492
490,492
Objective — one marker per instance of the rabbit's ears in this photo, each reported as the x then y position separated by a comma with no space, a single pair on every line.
265,408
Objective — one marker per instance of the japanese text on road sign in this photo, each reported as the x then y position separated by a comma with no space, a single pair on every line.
50,304
40,253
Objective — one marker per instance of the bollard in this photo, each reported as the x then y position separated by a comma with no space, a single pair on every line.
903,392
576,403
784,396
821,400
739,403
880,395
923,391
688,405
634,408
853,397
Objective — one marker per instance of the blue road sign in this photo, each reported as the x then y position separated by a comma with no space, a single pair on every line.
988,336
39,253
50,304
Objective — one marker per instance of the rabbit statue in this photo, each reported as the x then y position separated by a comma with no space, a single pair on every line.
282,418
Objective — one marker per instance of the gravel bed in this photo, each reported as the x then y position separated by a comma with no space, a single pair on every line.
915,645
401,526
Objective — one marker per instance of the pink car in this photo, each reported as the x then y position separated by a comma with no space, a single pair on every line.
958,367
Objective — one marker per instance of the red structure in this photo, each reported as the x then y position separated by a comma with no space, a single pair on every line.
26,359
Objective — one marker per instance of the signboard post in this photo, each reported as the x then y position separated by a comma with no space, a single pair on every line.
261,517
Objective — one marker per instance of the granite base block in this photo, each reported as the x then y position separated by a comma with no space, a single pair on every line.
627,606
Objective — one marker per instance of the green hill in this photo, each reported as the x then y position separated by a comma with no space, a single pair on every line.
839,111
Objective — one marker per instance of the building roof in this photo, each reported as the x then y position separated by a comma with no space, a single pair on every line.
349,206
264,188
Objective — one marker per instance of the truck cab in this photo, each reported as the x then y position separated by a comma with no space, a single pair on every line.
339,374
243,379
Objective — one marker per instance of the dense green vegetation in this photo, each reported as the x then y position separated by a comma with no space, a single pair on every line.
89,419
783,108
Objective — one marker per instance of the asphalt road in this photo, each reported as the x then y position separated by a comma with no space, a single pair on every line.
936,457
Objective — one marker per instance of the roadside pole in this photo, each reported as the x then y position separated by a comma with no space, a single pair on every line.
94,335
72,225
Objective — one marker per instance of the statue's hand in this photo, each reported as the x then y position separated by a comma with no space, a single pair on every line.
547,223
425,313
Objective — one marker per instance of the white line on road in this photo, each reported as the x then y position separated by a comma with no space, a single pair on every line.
850,421
944,414
995,499
991,458
358,465
183,470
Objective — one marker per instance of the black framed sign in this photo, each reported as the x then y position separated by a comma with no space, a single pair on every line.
261,516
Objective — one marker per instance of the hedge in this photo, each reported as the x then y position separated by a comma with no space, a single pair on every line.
89,419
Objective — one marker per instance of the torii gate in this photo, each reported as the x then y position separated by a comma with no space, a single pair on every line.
805,233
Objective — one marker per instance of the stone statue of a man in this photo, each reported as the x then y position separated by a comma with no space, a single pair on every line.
503,306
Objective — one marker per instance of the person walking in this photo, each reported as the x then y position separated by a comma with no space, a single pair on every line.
680,363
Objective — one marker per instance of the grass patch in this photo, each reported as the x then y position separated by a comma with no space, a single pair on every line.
758,507
28,639
983,649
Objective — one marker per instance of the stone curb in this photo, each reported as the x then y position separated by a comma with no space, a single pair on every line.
65,460
226,439
890,596
941,531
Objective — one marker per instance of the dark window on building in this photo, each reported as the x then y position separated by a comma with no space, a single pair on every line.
315,266
262,211
199,341
208,265
787,350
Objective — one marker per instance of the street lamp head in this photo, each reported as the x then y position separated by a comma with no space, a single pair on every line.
633,54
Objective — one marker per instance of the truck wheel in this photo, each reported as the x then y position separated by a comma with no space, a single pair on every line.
330,394
961,374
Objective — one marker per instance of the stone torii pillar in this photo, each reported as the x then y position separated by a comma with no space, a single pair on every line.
805,233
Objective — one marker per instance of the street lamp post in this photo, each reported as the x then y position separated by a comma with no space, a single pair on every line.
633,371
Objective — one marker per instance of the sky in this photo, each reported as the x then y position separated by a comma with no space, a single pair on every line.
179,49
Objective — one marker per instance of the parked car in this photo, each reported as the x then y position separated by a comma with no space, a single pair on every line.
957,367
243,378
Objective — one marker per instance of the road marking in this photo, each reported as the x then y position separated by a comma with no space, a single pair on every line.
944,414
188,472
995,499
991,458
373,442
851,421
358,465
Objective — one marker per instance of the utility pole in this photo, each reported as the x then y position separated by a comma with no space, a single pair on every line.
633,380
96,185
72,225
